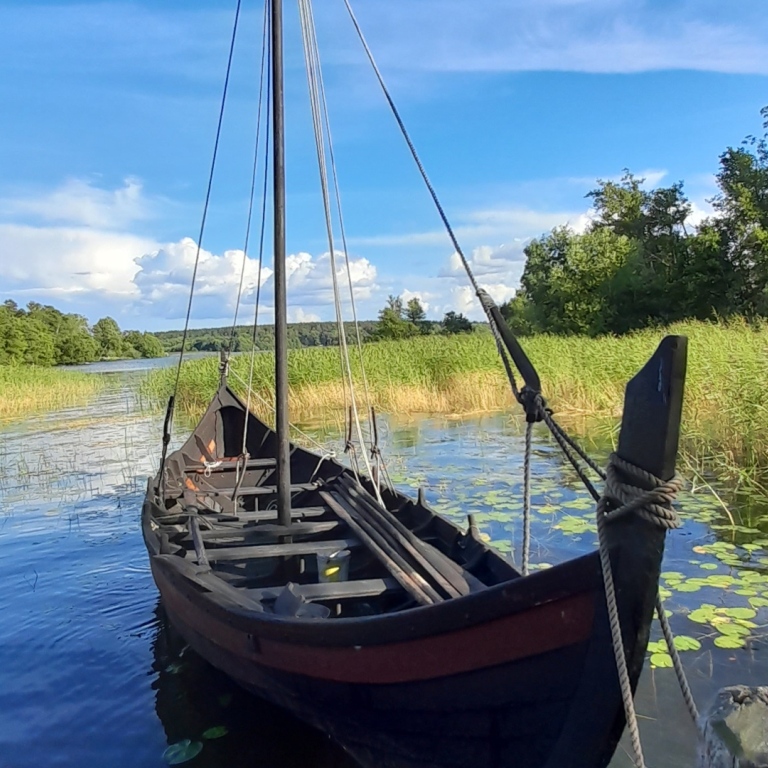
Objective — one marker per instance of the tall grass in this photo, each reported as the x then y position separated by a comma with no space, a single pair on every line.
26,390
725,422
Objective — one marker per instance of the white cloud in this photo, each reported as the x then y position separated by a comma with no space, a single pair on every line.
424,298
164,277
80,203
70,260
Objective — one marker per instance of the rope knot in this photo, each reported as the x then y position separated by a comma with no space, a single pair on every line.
534,404
631,489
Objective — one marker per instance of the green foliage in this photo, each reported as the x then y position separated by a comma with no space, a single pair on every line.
639,264
455,323
392,322
41,335
311,334
108,338
145,344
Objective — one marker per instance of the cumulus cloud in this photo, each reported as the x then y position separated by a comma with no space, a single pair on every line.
164,276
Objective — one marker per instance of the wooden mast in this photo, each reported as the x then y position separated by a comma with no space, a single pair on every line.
281,323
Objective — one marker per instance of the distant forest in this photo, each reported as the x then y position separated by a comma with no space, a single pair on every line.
314,334
42,335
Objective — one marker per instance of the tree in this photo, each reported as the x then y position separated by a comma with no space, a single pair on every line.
145,344
392,324
108,338
455,323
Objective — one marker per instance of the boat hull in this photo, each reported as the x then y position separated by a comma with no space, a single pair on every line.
523,677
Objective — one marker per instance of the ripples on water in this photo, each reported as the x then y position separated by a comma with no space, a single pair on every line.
91,673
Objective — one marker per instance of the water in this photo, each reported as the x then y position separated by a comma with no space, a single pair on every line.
93,675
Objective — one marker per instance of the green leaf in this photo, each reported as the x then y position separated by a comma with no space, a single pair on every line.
725,641
758,602
216,732
686,643
733,629
661,660
708,566
182,751
702,615
739,613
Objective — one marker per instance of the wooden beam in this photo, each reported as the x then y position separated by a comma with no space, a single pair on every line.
281,550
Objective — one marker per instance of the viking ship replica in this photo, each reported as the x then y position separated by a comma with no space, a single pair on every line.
412,642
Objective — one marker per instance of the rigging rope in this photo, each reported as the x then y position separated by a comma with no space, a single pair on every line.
618,498
207,197
265,48
322,136
262,68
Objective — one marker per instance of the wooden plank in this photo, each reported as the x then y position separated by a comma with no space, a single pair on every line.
230,466
270,514
258,490
335,590
268,529
412,582
280,550
449,576
194,530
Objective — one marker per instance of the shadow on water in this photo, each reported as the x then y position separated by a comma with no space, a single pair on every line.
93,675
196,702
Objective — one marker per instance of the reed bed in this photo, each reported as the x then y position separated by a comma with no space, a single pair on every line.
725,422
26,390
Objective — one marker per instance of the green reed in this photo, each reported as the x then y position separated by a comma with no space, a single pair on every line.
25,390
725,422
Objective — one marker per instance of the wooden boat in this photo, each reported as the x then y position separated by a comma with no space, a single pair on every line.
413,643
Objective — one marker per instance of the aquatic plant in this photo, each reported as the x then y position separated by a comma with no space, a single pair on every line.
725,422
25,390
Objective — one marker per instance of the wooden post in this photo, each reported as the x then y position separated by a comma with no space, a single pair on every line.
733,733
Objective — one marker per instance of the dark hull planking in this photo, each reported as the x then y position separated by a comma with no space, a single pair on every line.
520,675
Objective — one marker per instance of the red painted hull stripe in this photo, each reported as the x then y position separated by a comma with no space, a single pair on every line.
543,628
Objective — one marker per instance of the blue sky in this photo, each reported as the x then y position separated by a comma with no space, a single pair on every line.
109,112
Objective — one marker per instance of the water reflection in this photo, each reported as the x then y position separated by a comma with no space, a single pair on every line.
193,701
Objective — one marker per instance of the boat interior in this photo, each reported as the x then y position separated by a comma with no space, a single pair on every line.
345,554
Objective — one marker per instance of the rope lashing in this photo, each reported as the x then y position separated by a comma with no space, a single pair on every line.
640,492
646,499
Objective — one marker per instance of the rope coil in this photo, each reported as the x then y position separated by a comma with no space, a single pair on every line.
631,489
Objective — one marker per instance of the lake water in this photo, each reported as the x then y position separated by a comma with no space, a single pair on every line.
91,673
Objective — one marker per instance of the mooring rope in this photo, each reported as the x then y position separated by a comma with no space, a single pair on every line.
677,664
644,494
650,497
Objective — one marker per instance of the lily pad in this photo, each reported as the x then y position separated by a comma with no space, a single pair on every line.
216,732
661,660
739,613
182,751
686,643
726,641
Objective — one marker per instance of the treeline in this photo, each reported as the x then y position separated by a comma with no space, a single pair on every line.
639,263
312,334
42,335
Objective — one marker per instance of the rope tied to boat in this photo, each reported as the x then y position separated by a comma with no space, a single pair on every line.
629,488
